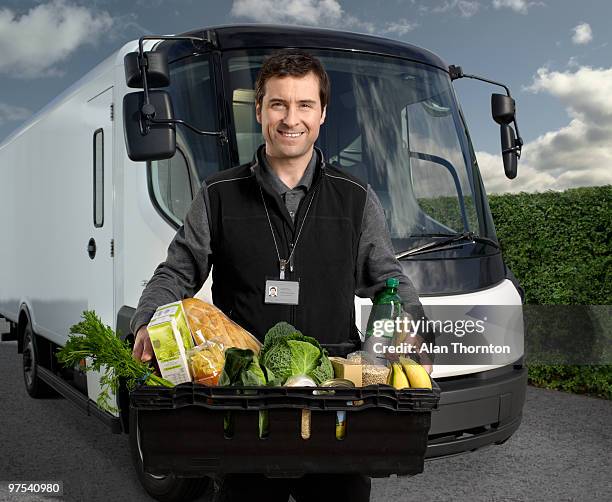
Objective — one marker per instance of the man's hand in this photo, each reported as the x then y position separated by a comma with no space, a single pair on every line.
416,342
424,357
143,350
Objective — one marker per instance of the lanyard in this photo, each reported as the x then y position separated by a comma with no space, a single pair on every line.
282,264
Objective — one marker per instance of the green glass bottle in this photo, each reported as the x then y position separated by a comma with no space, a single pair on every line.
387,306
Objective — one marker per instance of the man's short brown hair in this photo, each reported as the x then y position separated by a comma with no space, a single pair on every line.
294,63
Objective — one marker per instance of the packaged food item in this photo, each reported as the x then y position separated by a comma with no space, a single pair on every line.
206,362
207,322
360,357
340,425
372,371
347,369
171,339
341,414
302,381
374,374
338,382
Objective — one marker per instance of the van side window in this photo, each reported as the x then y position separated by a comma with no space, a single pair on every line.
98,178
172,185
175,182
437,167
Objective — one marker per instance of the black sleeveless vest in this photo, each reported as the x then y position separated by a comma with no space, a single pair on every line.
324,260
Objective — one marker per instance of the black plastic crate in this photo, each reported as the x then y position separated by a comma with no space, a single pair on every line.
181,430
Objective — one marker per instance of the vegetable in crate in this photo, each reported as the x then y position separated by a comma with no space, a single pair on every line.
242,368
92,339
287,352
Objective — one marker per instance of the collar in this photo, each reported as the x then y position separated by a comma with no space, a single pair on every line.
273,179
264,172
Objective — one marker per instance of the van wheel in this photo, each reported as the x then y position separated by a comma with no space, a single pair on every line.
166,488
35,387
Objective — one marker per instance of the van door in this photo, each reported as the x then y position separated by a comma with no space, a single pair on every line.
100,246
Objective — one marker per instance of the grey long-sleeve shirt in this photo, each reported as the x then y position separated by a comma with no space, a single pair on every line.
187,264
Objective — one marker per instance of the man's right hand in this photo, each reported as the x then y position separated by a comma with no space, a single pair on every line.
143,350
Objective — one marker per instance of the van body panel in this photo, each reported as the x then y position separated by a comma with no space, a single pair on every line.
477,410
47,177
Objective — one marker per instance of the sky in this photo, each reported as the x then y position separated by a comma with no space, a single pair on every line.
554,55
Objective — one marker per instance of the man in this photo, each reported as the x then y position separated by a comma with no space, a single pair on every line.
288,221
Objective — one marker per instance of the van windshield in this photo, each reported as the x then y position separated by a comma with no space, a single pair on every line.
394,124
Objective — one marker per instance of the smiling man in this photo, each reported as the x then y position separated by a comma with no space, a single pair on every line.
290,110
290,223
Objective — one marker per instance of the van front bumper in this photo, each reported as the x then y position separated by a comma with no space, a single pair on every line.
477,410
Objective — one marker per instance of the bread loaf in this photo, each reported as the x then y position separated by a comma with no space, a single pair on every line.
207,322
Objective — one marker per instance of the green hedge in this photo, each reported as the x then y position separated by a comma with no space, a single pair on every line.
558,244
594,380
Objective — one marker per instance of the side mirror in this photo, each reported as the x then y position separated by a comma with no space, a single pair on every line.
145,140
156,68
509,153
503,109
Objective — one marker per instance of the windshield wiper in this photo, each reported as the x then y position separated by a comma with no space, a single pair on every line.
441,244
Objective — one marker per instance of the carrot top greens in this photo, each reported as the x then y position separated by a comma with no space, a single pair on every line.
109,355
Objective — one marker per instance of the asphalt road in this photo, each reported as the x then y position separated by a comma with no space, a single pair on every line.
561,452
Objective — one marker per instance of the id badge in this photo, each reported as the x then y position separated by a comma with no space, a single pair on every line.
282,292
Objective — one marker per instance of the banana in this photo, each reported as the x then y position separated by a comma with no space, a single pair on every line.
418,377
390,376
399,378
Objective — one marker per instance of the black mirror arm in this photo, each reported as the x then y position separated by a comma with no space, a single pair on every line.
456,72
221,134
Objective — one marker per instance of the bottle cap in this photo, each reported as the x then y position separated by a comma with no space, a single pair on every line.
392,282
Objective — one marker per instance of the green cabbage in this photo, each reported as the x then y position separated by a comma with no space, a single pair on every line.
324,371
287,352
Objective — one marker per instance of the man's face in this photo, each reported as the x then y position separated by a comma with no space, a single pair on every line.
290,116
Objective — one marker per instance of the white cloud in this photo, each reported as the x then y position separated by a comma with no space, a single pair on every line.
578,154
306,12
325,13
400,27
585,92
520,6
582,34
466,8
10,113
573,62
527,180
34,43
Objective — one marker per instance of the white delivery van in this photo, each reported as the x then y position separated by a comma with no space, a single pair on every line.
87,217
